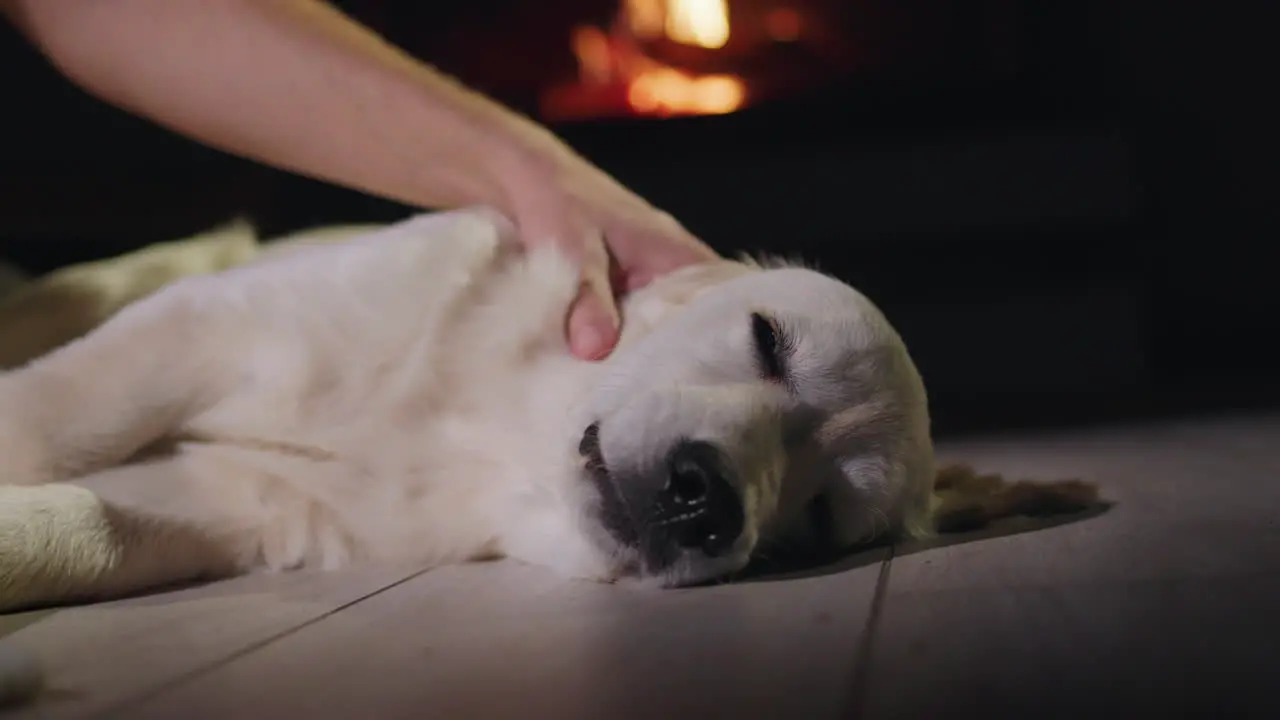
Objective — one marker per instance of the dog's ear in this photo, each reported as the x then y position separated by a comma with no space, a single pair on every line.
859,477
836,517
849,509
855,475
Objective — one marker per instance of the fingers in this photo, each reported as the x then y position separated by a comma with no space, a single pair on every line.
593,318
578,217
593,331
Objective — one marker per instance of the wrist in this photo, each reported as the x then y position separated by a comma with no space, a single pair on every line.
495,155
529,164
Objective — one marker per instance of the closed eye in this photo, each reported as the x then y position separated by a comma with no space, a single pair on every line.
770,347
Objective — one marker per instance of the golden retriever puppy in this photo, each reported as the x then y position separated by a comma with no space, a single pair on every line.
405,395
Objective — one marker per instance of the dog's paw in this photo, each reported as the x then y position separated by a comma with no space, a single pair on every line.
56,541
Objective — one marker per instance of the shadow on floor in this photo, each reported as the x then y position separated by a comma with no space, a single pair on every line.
796,565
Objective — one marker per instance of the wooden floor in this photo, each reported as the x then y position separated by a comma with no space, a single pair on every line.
1164,603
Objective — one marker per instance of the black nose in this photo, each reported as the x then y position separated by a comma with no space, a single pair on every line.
699,507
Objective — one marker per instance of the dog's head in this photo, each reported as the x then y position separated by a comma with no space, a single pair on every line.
748,407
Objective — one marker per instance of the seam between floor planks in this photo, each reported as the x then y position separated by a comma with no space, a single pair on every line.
70,642
122,706
860,676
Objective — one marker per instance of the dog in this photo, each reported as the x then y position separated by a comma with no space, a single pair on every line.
404,394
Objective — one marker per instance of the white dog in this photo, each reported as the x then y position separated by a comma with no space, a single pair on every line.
406,395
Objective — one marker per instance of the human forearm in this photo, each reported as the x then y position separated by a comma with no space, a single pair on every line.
252,76
297,85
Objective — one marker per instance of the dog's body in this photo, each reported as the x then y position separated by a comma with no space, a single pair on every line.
406,396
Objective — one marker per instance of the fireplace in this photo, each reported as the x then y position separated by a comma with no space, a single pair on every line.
860,134
898,145
595,60
709,106
931,152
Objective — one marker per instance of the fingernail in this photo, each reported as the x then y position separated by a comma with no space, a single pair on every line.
604,349
592,343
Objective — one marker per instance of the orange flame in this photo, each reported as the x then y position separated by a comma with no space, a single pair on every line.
704,23
667,91
651,87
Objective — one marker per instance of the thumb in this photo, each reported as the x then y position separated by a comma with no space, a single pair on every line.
593,317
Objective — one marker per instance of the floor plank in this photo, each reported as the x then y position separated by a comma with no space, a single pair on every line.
1159,604
1161,648
1253,437
1184,506
97,657
504,640
1164,599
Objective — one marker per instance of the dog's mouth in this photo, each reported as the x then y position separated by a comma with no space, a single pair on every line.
613,509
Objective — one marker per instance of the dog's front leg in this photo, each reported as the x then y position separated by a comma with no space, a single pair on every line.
98,400
126,530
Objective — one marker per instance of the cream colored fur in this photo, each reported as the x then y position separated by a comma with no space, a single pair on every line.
404,395
38,317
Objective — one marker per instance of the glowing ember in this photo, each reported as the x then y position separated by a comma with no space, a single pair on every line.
667,91
614,70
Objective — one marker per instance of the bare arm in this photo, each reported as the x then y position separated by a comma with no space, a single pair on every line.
252,77
298,85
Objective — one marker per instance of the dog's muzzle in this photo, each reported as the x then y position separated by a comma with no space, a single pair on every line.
692,507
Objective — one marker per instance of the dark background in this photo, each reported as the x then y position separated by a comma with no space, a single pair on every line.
1086,238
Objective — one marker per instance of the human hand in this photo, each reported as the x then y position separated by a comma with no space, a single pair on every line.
412,134
621,242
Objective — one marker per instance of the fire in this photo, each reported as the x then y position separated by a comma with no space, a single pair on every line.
704,23
646,18
614,60
667,91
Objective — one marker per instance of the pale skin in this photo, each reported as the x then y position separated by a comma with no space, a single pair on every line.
298,85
